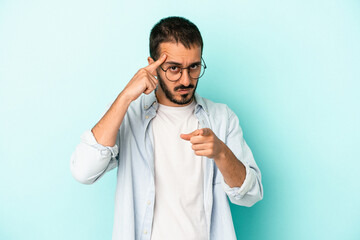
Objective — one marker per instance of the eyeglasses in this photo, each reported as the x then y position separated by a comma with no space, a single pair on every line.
174,72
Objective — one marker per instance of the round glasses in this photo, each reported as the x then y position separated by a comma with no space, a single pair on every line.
174,72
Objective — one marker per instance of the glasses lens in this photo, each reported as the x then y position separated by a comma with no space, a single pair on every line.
196,71
173,73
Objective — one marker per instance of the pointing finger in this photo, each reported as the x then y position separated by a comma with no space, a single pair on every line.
152,67
189,135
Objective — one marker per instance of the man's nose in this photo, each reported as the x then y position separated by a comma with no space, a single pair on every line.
185,78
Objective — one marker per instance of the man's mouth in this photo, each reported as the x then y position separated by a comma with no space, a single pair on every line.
184,91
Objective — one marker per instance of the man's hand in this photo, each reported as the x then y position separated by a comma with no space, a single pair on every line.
105,131
205,143
143,81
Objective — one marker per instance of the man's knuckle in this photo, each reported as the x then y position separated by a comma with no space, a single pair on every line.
143,71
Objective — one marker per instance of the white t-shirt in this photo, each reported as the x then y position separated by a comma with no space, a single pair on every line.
179,202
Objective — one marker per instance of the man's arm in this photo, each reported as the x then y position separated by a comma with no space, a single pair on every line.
233,170
242,177
205,143
97,150
106,129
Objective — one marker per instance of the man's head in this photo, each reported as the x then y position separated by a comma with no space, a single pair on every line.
181,41
176,30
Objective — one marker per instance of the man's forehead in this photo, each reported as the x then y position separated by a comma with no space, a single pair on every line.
179,53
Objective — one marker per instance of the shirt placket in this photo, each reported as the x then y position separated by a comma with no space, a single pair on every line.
209,171
148,141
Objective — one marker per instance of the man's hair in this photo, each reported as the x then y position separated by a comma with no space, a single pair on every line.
174,29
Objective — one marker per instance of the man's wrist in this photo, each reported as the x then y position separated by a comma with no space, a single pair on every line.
124,98
223,154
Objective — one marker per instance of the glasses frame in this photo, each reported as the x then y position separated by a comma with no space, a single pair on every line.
181,71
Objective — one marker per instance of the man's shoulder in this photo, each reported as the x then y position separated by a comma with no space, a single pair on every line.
211,104
214,109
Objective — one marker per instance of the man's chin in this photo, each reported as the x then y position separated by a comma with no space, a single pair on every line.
184,98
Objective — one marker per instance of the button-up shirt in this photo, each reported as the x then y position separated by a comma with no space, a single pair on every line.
133,155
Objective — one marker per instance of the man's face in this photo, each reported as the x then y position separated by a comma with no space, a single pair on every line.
180,92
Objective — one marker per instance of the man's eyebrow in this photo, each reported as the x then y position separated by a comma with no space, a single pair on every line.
179,64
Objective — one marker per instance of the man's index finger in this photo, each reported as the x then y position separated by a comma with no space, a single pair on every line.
157,63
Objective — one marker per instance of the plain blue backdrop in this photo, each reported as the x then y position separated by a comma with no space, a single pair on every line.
289,69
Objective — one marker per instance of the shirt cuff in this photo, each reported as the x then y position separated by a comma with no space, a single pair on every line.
239,192
88,138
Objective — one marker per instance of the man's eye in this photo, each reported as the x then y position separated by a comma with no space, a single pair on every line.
174,68
194,66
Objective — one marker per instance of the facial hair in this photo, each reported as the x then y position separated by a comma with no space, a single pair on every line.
184,100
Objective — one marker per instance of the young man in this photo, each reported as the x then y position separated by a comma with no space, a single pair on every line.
178,155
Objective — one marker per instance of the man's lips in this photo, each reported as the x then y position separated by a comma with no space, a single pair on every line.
184,88
183,91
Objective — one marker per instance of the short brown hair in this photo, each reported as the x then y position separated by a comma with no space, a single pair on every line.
174,29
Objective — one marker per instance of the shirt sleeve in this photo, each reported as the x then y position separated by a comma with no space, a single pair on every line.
91,160
251,191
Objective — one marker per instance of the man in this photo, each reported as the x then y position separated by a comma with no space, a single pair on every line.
178,155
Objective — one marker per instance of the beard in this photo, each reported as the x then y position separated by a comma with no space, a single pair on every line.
185,98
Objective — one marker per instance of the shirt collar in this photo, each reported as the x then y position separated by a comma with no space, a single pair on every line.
200,103
150,100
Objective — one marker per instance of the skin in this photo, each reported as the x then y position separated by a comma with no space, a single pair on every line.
204,141
177,53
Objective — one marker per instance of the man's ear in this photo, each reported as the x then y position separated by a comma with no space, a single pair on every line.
150,60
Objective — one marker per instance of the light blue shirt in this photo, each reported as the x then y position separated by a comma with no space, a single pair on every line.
133,155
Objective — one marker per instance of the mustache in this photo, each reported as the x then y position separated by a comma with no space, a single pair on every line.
182,87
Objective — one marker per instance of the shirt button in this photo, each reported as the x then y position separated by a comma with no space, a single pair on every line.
148,202
146,116
145,232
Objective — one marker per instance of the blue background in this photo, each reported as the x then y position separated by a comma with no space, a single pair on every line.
289,69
